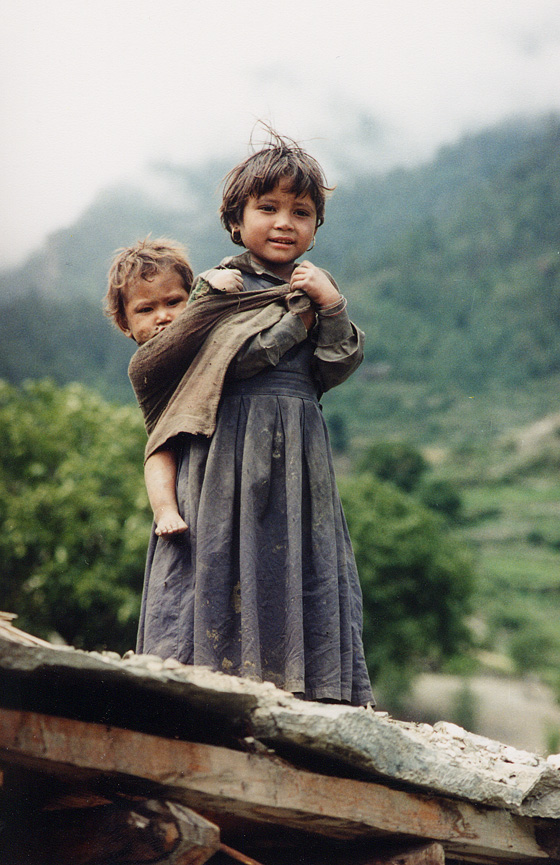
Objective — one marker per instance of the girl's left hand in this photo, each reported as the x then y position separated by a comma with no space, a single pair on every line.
315,284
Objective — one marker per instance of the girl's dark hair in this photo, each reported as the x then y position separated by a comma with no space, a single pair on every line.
280,159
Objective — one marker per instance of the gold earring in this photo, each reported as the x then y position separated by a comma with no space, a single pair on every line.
236,235
312,245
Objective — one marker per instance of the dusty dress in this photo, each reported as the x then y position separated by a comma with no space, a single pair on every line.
265,584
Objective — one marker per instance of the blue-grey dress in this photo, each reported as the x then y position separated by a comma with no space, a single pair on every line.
264,584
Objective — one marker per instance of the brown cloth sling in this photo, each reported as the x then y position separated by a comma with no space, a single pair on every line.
178,375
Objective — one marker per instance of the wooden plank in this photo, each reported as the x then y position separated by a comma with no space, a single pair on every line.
393,854
151,832
425,854
431,854
259,788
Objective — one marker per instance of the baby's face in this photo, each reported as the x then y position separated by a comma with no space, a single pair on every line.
153,304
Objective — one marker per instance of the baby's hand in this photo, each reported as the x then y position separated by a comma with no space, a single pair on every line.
225,280
315,284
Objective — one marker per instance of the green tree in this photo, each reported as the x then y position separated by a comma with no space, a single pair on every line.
417,584
398,462
74,520
338,431
441,496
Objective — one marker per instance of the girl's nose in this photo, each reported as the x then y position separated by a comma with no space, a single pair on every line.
284,219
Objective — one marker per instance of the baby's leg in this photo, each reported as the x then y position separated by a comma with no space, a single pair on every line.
160,473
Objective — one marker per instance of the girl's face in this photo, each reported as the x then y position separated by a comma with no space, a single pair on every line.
153,304
277,228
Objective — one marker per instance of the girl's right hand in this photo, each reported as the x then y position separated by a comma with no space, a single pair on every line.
227,280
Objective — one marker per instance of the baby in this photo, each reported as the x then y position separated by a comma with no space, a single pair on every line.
148,287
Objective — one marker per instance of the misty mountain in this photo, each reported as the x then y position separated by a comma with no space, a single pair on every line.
451,268
365,214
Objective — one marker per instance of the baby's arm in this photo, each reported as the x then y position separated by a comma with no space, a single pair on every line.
160,472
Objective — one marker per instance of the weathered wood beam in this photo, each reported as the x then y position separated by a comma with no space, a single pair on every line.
150,832
430,854
263,789
371,854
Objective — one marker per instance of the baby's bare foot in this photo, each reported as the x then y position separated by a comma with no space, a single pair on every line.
170,522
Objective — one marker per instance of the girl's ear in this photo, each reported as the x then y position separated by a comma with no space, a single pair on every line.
235,232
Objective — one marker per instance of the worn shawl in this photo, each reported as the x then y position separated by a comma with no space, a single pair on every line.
178,375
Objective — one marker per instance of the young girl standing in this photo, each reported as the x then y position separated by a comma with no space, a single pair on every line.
264,584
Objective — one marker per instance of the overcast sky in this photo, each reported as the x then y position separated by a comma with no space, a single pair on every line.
95,90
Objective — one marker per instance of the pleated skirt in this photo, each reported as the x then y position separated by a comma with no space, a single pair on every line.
264,584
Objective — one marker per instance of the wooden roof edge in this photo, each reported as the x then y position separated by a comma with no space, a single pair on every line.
261,791
443,759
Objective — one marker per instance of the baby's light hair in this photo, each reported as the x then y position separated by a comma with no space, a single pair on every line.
145,259
281,158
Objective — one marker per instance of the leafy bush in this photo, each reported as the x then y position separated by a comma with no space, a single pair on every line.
74,520
398,462
441,496
417,583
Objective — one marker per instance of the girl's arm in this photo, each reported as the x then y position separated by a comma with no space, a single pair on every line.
339,342
340,346
268,346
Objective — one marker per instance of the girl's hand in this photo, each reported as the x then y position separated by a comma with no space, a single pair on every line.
225,280
315,284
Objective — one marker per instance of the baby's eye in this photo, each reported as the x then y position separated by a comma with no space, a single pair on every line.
174,301
144,309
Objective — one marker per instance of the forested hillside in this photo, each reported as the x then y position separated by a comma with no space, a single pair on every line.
477,289
451,268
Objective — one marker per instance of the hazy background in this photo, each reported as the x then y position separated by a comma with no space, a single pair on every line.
439,122
92,92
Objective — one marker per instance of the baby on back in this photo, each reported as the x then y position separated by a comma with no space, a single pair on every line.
148,287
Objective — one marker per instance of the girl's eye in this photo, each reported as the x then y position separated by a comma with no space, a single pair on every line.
302,213
268,208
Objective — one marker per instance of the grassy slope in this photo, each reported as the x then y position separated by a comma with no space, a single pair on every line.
511,496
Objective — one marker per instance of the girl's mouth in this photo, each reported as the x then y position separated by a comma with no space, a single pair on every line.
283,241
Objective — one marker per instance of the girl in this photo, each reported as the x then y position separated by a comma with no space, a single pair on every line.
264,584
